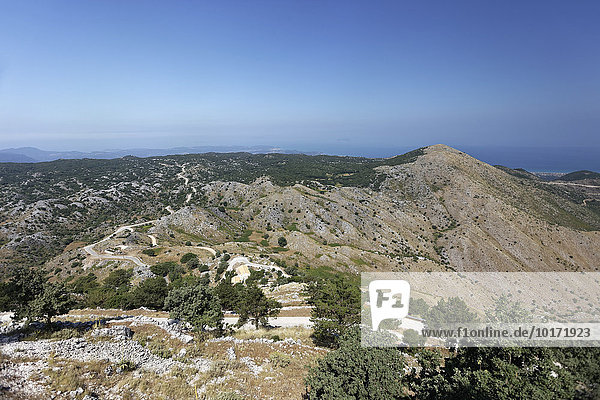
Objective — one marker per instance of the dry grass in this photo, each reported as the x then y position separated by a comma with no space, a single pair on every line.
113,313
296,312
68,375
174,386
159,342
296,333
283,367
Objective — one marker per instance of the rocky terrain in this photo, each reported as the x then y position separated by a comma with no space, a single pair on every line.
117,358
433,209
439,210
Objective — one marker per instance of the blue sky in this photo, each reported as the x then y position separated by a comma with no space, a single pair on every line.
311,75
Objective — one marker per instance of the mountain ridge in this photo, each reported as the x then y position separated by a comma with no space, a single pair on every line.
435,208
33,154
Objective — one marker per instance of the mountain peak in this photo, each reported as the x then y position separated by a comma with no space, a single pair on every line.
442,148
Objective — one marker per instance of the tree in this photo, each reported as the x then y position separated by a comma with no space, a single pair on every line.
282,242
254,306
151,293
197,305
418,307
495,373
356,372
119,279
228,294
85,283
163,268
30,295
5,296
53,300
336,308
453,310
413,338
507,311
23,286
188,257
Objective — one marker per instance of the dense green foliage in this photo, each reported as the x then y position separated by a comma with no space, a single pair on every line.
336,308
29,294
356,372
418,307
453,310
197,305
580,175
150,293
254,306
53,300
495,373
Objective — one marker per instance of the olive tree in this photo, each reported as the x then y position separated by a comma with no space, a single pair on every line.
196,304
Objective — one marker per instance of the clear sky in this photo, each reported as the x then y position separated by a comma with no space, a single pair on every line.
310,74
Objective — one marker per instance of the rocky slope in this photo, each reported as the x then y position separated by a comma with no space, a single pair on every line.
433,209
446,210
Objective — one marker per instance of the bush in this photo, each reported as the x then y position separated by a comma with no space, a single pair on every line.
453,310
151,252
119,279
356,372
495,373
85,283
412,338
163,269
280,360
203,268
221,268
418,307
282,242
151,293
188,257
197,305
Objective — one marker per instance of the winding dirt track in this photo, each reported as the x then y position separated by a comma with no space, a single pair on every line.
93,254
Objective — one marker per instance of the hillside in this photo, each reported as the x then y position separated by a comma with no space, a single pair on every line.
580,175
130,237
431,209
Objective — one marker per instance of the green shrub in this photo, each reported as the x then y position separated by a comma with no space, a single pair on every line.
118,279
152,252
197,305
164,268
356,372
280,360
151,293
188,257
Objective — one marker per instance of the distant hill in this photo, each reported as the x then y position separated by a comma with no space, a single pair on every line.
15,157
32,154
518,172
580,175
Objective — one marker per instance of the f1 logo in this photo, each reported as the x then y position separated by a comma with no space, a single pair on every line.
388,300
